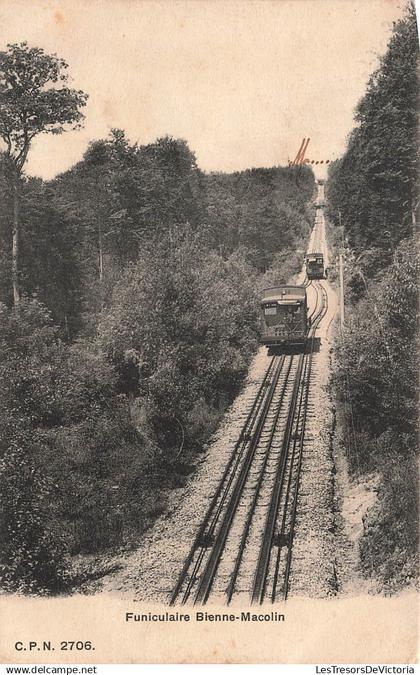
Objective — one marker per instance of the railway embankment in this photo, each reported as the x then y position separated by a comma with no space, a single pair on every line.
353,498
314,569
374,380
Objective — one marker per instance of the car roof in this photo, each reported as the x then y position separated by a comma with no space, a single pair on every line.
284,293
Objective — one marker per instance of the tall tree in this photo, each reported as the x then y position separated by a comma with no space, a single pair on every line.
375,185
34,99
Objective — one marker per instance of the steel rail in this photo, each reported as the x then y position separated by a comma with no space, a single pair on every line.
258,590
213,518
281,533
251,511
208,575
242,439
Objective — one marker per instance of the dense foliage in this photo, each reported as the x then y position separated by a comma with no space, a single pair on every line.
180,334
375,189
261,211
377,379
68,449
93,221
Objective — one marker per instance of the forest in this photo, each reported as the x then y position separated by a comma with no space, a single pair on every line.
129,315
373,194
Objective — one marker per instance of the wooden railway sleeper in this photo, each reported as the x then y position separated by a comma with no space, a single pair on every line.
206,540
280,539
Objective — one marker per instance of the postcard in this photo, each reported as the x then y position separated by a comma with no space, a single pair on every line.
209,332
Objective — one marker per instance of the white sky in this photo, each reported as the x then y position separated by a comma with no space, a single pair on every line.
243,82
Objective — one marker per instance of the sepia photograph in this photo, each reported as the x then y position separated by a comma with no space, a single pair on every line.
209,276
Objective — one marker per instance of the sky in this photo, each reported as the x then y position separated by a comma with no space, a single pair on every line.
242,81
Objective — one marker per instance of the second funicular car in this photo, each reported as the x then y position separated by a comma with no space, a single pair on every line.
315,266
284,316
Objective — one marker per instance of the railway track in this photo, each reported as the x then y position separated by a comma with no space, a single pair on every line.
244,544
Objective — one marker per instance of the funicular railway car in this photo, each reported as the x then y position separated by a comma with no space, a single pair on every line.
315,266
284,316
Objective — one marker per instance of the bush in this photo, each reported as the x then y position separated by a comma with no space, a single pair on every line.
32,556
390,542
182,329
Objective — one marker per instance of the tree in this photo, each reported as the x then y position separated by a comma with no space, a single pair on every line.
50,256
155,191
29,107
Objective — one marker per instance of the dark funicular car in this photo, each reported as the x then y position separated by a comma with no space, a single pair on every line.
284,316
314,265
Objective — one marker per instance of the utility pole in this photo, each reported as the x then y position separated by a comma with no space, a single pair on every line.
341,266
101,255
341,290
